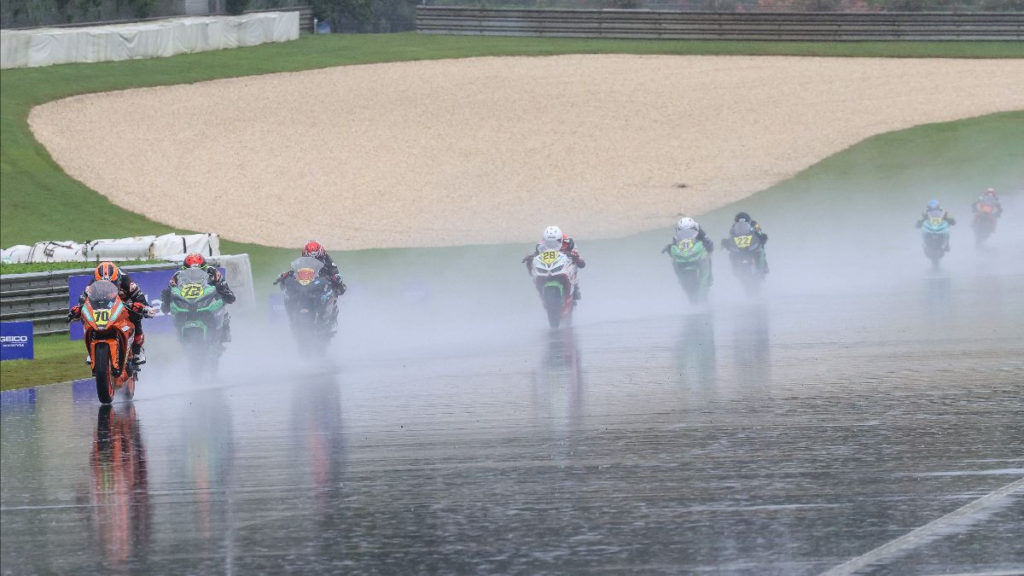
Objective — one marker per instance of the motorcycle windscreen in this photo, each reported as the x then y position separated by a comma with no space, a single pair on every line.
306,269
102,294
193,276
688,234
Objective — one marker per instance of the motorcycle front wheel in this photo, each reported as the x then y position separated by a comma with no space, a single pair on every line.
104,379
553,305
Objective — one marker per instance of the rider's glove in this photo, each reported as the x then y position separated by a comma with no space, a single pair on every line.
666,248
140,308
575,256
342,288
281,278
74,313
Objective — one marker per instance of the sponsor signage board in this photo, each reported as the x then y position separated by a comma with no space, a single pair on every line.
16,341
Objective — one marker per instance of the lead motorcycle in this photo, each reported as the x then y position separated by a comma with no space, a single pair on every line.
935,233
746,254
554,275
108,338
199,315
309,301
692,264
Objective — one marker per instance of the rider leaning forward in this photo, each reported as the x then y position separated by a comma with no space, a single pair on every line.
329,272
553,237
129,293
217,280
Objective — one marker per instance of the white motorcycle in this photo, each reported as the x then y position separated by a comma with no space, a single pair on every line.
554,274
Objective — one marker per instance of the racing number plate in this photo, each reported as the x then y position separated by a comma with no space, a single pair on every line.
935,221
685,245
191,291
305,276
549,257
743,241
101,316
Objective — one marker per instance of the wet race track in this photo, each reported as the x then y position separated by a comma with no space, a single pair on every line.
828,426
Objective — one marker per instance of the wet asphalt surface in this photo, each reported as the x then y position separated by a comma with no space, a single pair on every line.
786,434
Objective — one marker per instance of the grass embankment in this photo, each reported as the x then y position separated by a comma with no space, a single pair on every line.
40,202
6,268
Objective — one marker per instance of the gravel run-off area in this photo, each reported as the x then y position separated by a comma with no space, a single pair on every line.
489,150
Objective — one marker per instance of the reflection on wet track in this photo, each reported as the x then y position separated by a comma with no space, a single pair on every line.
786,435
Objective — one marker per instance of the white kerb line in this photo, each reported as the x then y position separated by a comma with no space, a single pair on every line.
922,534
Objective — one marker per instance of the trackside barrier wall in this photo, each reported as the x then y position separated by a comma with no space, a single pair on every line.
654,24
42,297
150,39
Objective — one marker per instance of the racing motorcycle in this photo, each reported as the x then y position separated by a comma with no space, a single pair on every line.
309,301
108,338
692,264
554,275
984,223
746,253
199,315
935,230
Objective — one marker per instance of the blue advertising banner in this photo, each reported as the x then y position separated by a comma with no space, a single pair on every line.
16,341
151,283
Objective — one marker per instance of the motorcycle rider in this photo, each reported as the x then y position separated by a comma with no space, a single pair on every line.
989,197
129,293
762,238
934,205
217,280
554,238
687,223
329,272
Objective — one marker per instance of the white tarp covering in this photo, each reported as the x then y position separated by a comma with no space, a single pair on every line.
47,46
168,246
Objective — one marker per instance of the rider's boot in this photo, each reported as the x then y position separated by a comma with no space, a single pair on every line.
225,331
88,359
332,322
137,351
576,296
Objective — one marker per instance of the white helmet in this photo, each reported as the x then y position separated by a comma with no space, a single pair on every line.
552,233
686,223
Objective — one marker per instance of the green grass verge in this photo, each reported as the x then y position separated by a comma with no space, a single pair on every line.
57,266
38,201
57,359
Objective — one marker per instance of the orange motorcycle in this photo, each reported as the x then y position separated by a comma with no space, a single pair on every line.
108,338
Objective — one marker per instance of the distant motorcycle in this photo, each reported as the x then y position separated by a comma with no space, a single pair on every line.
108,338
935,231
309,300
984,223
554,274
746,254
199,315
692,264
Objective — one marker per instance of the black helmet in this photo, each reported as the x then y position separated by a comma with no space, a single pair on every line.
741,216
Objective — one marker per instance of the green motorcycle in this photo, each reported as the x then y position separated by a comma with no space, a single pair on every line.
200,318
692,264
